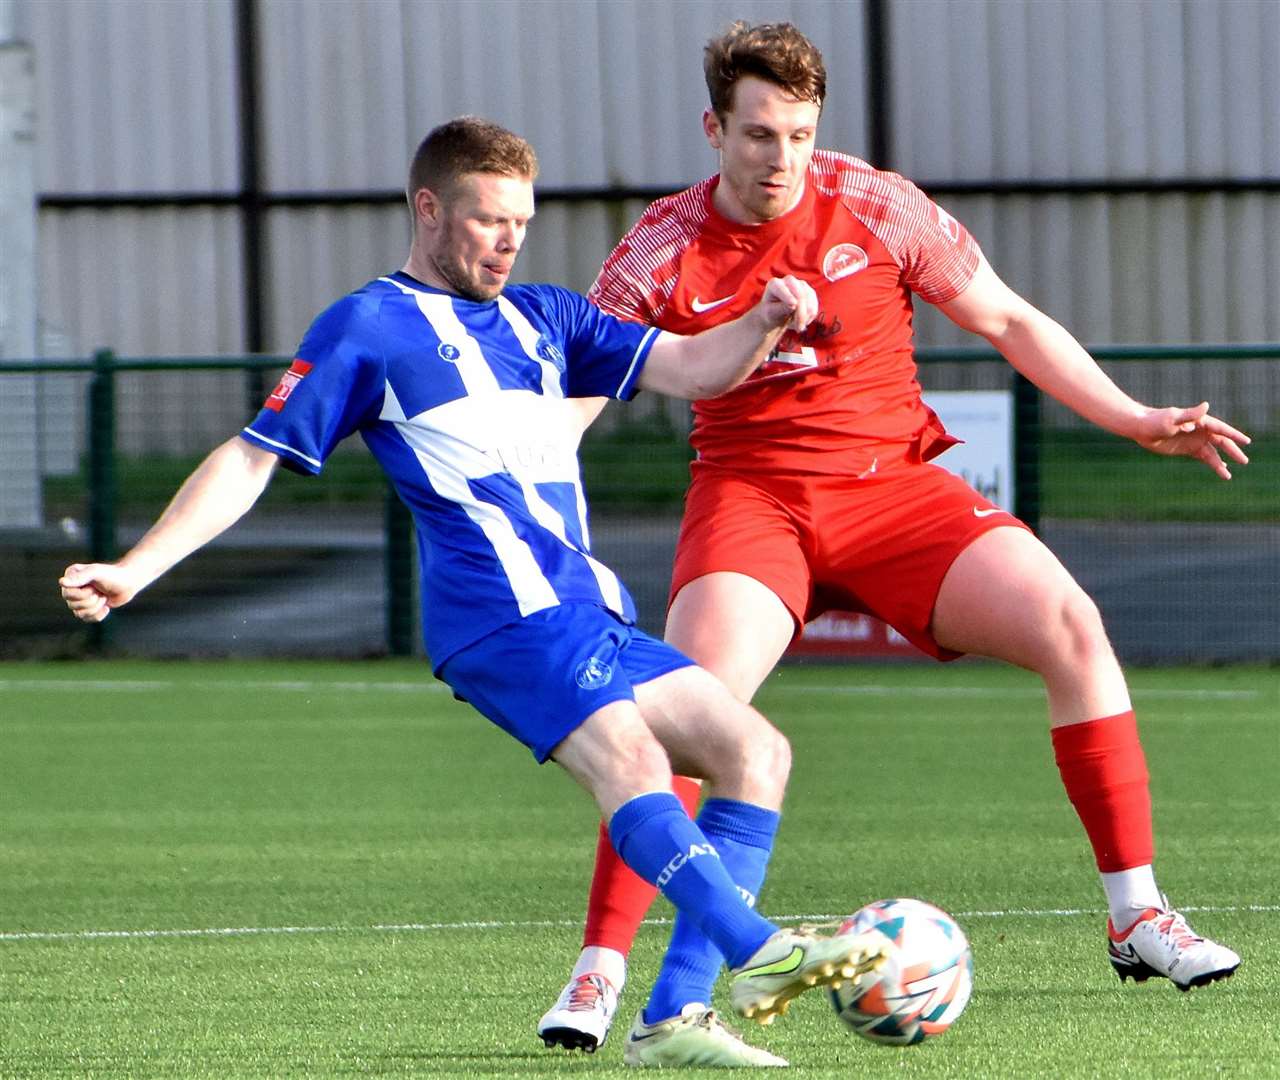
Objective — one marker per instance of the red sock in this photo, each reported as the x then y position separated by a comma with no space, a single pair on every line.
1105,774
619,897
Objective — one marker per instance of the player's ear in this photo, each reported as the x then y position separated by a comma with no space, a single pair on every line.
712,129
427,206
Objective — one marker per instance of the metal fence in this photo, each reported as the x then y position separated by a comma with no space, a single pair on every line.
1184,567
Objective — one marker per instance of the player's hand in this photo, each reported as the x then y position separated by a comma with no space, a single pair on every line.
1193,433
92,590
789,302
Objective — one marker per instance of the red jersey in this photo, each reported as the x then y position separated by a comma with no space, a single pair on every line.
841,396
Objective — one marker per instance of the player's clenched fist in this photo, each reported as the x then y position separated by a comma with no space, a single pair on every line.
790,302
91,590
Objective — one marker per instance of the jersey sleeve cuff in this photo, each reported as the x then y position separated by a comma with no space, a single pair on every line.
628,389
294,459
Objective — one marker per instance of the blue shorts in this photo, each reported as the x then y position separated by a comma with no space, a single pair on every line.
540,678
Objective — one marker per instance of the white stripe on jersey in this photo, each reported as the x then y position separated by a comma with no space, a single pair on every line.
528,338
549,519
477,375
437,308
610,585
532,590
635,356
288,449
449,463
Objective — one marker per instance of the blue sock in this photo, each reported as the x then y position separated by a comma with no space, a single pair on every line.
743,834
655,837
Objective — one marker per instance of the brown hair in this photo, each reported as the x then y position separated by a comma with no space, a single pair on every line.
468,145
775,52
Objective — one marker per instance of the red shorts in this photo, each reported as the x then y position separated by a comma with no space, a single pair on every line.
880,544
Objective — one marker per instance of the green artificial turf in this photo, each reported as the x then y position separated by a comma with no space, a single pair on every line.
232,870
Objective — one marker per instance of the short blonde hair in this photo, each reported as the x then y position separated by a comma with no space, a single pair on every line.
467,145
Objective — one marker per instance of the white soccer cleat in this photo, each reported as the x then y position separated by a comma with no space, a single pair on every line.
580,1019
793,961
1161,943
696,1037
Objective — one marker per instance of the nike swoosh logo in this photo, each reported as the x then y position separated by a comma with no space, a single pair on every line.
634,1038
699,306
978,512
1123,951
784,966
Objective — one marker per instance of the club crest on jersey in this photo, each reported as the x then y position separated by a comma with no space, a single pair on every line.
843,260
592,674
550,352
448,353
290,379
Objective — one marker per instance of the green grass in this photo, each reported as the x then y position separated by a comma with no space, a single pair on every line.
330,870
1092,475
645,465
144,485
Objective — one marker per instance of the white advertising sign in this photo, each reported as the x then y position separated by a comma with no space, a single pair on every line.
984,420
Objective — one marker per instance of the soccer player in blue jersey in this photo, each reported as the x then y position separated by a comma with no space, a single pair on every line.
463,389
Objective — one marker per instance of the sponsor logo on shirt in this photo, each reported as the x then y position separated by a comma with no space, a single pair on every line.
843,260
449,353
593,674
700,306
539,462
296,373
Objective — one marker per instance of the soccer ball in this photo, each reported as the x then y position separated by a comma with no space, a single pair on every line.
925,981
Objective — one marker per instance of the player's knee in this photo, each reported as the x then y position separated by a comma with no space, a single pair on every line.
1078,635
638,757
765,755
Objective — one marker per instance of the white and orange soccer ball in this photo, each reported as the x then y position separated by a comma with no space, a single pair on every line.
925,981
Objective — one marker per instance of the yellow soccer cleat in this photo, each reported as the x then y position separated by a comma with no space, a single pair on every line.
696,1037
793,961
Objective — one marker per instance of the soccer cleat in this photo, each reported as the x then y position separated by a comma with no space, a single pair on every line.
580,1019
793,961
1161,943
696,1037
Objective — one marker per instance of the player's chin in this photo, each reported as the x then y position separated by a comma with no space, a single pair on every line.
483,292
489,285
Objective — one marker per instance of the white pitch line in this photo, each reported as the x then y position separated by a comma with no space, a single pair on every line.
1003,691
295,685
382,928
368,686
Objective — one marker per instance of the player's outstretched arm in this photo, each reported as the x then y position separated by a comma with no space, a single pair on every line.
706,364
1043,351
222,488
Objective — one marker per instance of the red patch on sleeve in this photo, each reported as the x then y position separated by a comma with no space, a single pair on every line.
297,371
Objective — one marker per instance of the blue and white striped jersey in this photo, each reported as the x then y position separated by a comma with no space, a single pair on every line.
463,404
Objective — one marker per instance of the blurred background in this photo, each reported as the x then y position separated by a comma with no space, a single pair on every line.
184,184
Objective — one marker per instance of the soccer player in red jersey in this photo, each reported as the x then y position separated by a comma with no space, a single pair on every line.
813,488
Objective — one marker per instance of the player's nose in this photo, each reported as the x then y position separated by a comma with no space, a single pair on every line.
510,238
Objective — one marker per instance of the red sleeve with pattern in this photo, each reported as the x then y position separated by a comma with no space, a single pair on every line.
639,275
937,254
